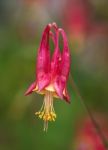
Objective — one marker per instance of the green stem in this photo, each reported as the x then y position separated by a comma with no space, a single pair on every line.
95,124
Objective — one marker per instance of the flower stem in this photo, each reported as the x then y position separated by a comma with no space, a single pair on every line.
94,122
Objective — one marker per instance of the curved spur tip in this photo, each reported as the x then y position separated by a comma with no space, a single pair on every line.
54,25
60,29
49,25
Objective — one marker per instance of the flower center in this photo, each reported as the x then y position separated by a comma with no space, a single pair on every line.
47,112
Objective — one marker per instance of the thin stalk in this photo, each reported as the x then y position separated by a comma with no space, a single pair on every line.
94,122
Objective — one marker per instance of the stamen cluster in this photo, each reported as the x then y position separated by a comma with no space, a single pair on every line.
47,112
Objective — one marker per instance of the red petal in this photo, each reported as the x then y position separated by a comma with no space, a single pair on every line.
63,69
59,85
65,64
43,60
31,88
43,81
56,58
66,95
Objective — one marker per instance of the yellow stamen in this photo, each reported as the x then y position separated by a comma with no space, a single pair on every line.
47,112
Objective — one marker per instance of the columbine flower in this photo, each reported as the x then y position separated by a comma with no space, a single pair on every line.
51,73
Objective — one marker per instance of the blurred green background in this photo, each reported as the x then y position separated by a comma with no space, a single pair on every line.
21,25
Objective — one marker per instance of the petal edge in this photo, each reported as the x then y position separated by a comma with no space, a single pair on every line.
30,89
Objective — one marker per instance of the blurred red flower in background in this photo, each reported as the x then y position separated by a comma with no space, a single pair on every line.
77,18
87,138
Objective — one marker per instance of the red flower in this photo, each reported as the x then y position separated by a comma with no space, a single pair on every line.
51,73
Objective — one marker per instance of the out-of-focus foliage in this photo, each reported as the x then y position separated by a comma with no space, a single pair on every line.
21,25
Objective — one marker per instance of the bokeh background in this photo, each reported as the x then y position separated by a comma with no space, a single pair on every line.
21,26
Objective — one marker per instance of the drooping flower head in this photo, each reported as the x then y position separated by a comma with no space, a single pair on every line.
51,72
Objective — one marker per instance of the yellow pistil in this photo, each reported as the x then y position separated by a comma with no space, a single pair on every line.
47,112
